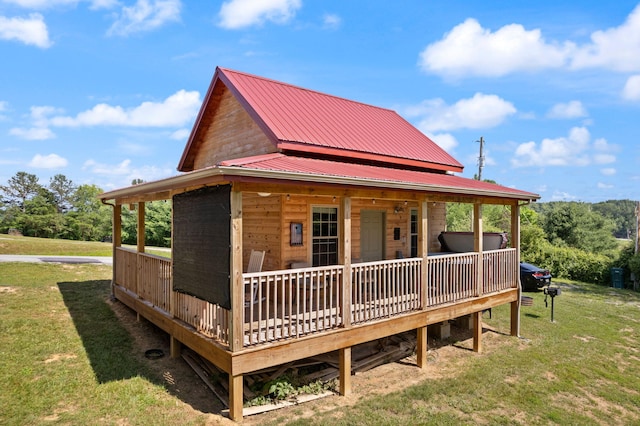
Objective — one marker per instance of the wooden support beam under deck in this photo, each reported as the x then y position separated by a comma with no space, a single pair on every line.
421,347
235,397
477,331
345,371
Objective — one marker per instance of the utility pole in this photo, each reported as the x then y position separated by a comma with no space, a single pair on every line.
480,158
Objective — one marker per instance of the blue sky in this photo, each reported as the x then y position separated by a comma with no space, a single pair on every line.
106,91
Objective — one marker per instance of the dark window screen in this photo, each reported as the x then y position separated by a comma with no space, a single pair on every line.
201,241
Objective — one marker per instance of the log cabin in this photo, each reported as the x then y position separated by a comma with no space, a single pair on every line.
305,223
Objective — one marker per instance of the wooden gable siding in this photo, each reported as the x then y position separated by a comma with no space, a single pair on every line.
266,226
227,132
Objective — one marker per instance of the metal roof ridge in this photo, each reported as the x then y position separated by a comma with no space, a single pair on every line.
282,83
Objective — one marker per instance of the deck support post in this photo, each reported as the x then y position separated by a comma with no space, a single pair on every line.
345,371
515,243
421,347
477,331
175,347
235,397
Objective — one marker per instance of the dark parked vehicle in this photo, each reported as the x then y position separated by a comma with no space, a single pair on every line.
532,277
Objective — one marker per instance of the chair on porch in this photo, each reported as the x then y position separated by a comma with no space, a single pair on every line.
255,265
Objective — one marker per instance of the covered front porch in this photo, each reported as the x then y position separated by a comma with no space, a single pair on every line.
290,309
289,304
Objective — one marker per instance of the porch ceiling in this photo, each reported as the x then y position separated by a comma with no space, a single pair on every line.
281,168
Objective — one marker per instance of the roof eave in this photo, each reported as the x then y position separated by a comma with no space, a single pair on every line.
224,173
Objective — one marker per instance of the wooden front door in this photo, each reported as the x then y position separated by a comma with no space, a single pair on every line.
372,235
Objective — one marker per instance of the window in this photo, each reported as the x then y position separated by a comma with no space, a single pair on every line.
414,233
325,236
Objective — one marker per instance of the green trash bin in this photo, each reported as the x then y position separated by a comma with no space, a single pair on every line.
617,277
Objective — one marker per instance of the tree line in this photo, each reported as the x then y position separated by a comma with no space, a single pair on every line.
575,240
62,209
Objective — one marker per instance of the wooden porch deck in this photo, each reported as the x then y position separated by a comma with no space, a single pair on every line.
289,304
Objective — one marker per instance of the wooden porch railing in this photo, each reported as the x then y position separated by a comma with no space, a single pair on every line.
385,288
500,270
452,277
149,277
292,303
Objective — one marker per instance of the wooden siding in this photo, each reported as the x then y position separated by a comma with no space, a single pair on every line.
227,132
267,220
262,229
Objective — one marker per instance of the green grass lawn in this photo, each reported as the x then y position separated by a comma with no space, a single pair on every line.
11,244
67,358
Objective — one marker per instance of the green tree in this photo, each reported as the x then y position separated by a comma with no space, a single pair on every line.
88,219
20,188
576,225
63,191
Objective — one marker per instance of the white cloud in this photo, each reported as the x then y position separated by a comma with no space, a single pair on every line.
51,161
615,48
107,169
575,149
479,112
49,4
331,21
602,185
445,141
31,30
631,89
609,171
126,173
180,134
41,4
236,14
562,196
177,110
469,49
145,15
572,109
33,133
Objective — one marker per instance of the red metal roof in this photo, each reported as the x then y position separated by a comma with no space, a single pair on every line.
367,175
306,121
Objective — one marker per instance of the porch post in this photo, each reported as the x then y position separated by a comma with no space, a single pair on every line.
345,244
141,227
116,241
236,339
477,244
423,251
515,243
478,247
236,335
139,249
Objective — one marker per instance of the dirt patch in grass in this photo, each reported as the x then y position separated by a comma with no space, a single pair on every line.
175,374
445,359
6,289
